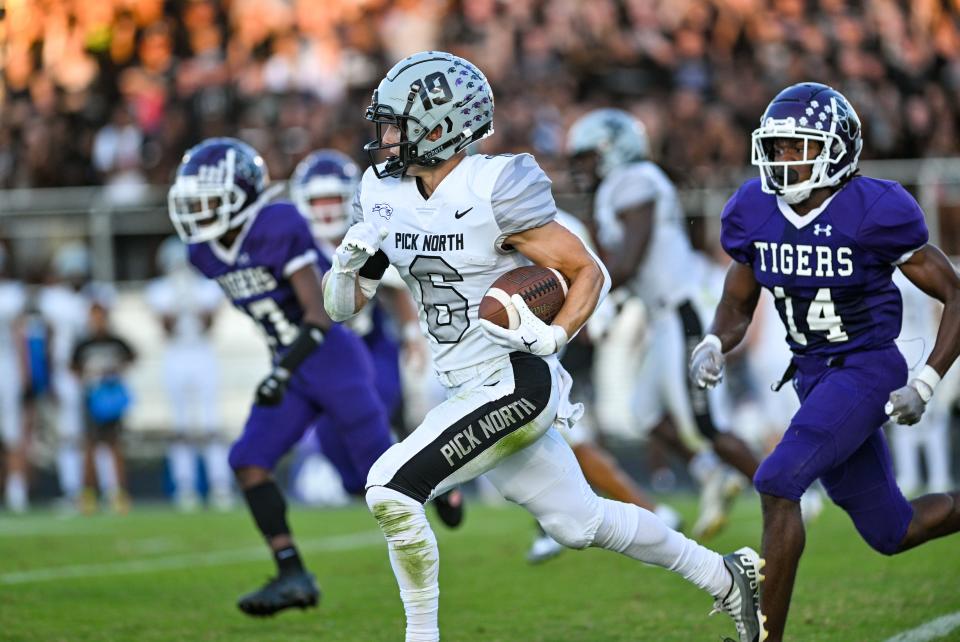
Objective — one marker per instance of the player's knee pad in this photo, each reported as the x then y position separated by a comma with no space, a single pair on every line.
883,539
779,477
398,515
569,529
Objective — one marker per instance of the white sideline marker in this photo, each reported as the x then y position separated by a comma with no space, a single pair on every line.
932,630
349,541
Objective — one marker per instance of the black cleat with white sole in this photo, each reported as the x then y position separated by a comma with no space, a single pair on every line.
742,601
286,591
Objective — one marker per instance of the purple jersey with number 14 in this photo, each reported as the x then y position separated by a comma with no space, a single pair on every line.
830,271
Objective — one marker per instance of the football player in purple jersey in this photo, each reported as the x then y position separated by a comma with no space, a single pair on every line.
826,241
263,255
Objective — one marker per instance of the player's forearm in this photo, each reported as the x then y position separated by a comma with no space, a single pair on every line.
946,348
730,325
342,295
586,288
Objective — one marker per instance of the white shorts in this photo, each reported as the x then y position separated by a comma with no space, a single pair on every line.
492,411
662,387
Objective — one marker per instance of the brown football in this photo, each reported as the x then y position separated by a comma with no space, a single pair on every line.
543,289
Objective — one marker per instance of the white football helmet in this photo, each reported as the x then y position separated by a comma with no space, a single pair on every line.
426,90
616,136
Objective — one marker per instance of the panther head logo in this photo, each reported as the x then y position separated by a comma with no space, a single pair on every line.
383,210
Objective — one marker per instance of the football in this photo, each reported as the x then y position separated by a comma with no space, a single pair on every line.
543,289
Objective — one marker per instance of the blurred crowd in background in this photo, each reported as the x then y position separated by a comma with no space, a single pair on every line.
111,92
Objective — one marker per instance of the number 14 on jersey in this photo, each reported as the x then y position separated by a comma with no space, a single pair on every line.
821,317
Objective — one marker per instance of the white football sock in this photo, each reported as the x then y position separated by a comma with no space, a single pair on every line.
640,534
16,493
218,469
69,470
106,470
414,557
183,468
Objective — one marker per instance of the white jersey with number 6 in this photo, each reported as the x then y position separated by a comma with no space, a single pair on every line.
449,248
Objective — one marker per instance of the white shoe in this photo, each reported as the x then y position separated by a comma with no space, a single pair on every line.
221,500
669,516
717,495
187,501
544,548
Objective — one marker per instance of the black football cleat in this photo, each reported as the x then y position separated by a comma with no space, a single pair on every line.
450,507
292,590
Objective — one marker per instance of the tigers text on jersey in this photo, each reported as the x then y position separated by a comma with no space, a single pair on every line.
662,278
447,248
830,270
255,272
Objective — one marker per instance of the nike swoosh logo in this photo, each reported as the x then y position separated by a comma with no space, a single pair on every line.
459,214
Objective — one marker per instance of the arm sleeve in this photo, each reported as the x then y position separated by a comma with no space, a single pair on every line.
894,227
733,232
356,207
521,197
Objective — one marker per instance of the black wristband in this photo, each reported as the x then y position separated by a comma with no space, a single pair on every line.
375,266
311,335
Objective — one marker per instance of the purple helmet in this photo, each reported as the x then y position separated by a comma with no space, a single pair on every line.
330,175
810,112
217,186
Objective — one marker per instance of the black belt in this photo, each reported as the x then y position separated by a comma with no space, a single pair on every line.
832,362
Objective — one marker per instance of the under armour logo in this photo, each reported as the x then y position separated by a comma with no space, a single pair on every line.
527,344
243,259
825,229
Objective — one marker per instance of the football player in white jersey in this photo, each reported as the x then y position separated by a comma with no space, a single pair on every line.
13,299
639,227
932,432
185,304
65,306
451,224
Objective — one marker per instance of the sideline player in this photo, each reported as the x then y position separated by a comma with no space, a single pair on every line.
451,224
826,241
263,256
185,303
639,227
65,306
13,434
322,187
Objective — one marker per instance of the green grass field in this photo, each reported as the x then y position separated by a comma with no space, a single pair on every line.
157,575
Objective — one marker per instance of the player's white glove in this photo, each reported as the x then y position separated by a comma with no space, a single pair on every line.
532,335
907,404
360,242
706,362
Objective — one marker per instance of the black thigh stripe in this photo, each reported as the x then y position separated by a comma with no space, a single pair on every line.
471,435
699,398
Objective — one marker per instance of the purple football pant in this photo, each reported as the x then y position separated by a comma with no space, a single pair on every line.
837,436
336,383
386,372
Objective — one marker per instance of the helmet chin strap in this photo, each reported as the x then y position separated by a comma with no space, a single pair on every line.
793,198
